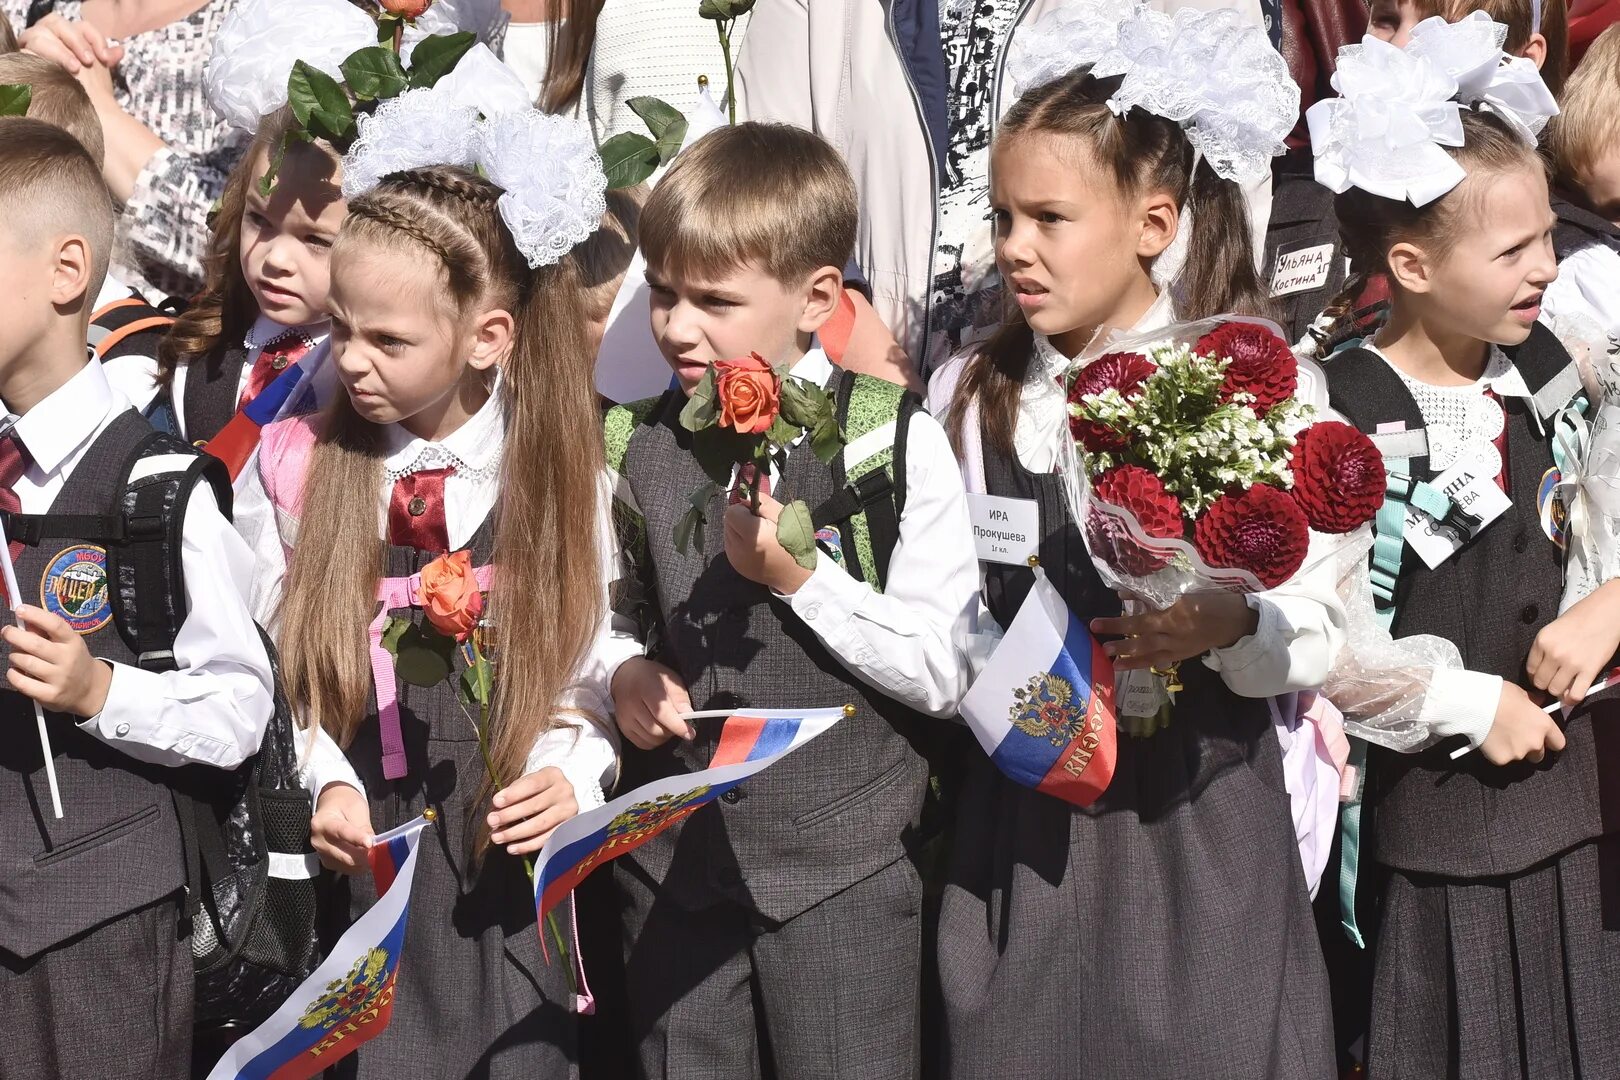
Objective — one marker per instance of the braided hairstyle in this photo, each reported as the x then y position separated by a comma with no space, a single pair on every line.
1370,225
546,596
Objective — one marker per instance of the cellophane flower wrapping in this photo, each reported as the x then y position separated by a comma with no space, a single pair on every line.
1203,455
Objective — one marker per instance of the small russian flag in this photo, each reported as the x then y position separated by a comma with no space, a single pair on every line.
239,438
349,999
1043,708
750,741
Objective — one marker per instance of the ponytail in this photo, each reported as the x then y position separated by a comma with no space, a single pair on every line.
1220,276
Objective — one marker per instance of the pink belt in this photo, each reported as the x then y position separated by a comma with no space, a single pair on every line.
393,593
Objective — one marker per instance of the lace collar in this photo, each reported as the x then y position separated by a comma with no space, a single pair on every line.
473,449
265,330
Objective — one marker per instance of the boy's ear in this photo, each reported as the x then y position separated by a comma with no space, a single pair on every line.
492,334
1160,218
1409,267
71,271
821,295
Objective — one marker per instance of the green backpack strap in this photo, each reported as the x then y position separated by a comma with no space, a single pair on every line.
869,474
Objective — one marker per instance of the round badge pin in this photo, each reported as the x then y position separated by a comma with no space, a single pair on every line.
74,586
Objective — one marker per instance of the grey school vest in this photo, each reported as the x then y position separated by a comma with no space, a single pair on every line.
837,810
210,394
1469,818
117,848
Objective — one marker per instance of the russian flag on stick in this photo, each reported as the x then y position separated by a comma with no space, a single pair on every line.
1043,708
751,740
350,997
236,441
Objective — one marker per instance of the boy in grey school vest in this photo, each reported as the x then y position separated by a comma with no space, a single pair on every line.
95,966
779,929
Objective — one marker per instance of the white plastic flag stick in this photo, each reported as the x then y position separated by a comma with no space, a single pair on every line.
14,596
711,714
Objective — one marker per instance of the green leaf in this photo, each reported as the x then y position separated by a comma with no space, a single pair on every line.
394,629
724,9
421,666
15,99
719,450
689,526
797,534
826,439
782,432
319,103
385,28
665,122
374,72
477,682
803,404
628,159
702,409
436,56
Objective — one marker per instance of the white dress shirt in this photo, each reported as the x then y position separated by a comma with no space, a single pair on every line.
1301,624
214,707
585,752
134,376
910,640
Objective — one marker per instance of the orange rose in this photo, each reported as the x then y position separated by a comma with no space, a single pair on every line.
450,596
406,9
750,394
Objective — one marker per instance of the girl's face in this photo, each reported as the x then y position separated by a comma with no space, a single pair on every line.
1073,252
287,236
1488,286
400,350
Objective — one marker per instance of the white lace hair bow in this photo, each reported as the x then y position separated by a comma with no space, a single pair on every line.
254,52
1399,108
1209,71
479,117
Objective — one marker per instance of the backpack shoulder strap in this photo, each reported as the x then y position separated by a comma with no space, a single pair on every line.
869,473
116,328
148,582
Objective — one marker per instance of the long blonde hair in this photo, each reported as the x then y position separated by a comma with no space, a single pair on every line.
546,597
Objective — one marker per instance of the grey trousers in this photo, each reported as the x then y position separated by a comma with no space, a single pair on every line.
723,994
113,1002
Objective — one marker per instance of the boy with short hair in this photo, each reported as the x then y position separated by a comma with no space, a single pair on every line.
95,968
124,327
779,929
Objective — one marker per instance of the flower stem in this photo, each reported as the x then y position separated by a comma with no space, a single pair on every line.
723,27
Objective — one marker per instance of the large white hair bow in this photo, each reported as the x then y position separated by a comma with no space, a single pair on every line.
1399,108
1209,71
479,117
257,45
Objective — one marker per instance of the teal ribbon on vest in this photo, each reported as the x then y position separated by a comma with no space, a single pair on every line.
1350,845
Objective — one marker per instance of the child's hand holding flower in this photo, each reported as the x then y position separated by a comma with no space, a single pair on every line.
755,551
528,810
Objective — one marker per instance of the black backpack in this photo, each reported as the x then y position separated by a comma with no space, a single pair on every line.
250,869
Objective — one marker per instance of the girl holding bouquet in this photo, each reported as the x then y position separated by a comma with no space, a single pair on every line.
1492,957
1166,928
466,425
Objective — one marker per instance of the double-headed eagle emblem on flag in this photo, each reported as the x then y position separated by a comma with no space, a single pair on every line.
645,819
349,996
1047,707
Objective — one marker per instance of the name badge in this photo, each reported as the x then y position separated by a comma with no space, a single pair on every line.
1005,530
1302,270
1470,487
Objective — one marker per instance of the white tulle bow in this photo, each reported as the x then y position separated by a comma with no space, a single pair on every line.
1212,72
254,52
1399,108
479,116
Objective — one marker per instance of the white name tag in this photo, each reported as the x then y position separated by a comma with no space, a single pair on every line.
1302,270
1467,485
1005,530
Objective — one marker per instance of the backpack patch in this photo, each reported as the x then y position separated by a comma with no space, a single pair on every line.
75,587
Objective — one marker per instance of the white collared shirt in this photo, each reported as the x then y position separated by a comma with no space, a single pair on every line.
910,640
585,753
215,706
134,376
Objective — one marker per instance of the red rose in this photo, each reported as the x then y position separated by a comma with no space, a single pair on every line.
1133,488
1125,372
1262,531
1262,363
750,394
1338,477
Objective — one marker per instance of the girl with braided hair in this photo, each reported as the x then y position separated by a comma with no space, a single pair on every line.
465,424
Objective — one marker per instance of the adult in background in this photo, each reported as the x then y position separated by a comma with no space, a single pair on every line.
141,61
